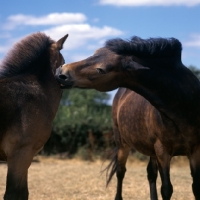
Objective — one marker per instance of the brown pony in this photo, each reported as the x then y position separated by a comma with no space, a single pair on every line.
29,99
157,110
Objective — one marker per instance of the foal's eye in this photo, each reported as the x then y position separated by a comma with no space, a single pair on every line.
100,71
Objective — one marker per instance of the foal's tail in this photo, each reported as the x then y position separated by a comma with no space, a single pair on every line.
112,167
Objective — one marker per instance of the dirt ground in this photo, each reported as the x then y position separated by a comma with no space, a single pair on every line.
55,179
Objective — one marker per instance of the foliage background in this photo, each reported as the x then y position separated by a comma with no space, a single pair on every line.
82,125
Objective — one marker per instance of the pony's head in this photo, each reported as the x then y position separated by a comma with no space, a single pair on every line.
111,66
34,54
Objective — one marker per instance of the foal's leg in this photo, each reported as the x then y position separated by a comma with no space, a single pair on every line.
122,156
152,173
163,160
195,172
16,185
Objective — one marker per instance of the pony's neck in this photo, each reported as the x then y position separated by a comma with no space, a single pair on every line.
175,93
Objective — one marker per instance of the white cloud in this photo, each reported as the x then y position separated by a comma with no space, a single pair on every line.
194,41
3,49
76,57
150,2
96,20
50,19
81,34
5,35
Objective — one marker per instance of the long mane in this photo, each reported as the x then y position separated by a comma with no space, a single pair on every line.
152,47
27,54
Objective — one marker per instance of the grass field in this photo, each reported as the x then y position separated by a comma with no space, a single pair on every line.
54,179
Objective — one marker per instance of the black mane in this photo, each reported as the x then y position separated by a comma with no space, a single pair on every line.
152,47
26,55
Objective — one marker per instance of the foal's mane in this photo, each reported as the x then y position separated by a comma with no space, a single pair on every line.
26,55
152,47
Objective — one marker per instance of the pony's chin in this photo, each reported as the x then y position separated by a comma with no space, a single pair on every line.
65,86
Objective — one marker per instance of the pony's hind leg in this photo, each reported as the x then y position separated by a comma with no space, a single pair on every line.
16,184
163,161
152,173
122,156
195,172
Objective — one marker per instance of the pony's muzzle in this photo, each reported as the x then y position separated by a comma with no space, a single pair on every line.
58,71
63,79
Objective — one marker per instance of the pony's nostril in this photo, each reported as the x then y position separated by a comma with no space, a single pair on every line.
62,76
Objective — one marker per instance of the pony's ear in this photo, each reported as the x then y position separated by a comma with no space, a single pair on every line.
134,66
61,41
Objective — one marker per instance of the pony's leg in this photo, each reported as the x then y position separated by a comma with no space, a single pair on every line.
195,172
16,184
152,173
163,161
122,156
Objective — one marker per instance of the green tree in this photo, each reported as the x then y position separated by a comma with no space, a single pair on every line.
80,114
78,106
195,70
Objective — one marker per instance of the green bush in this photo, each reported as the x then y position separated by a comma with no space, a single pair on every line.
82,120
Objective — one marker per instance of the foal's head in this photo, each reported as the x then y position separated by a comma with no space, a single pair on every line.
111,66
34,54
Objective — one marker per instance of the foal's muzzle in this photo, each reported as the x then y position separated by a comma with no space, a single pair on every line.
63,79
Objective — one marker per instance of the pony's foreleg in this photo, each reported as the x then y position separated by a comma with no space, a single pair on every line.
195,172
16,184
122,156
163,160
152,173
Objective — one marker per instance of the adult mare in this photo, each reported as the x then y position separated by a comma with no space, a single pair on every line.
157,110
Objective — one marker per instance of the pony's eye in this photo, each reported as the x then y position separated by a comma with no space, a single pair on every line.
100,71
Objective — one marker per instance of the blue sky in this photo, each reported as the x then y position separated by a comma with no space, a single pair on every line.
91,22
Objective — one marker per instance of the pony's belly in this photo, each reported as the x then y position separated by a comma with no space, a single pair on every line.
145,147
2,156
148,148
145,151
144,142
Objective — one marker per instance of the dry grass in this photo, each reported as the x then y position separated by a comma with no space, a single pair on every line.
54,179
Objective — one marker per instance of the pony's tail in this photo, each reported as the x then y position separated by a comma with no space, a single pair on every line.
112,166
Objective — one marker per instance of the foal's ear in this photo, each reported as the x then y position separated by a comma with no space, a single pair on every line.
61,41
134,66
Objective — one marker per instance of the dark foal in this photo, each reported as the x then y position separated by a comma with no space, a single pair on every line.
159,112
29,100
